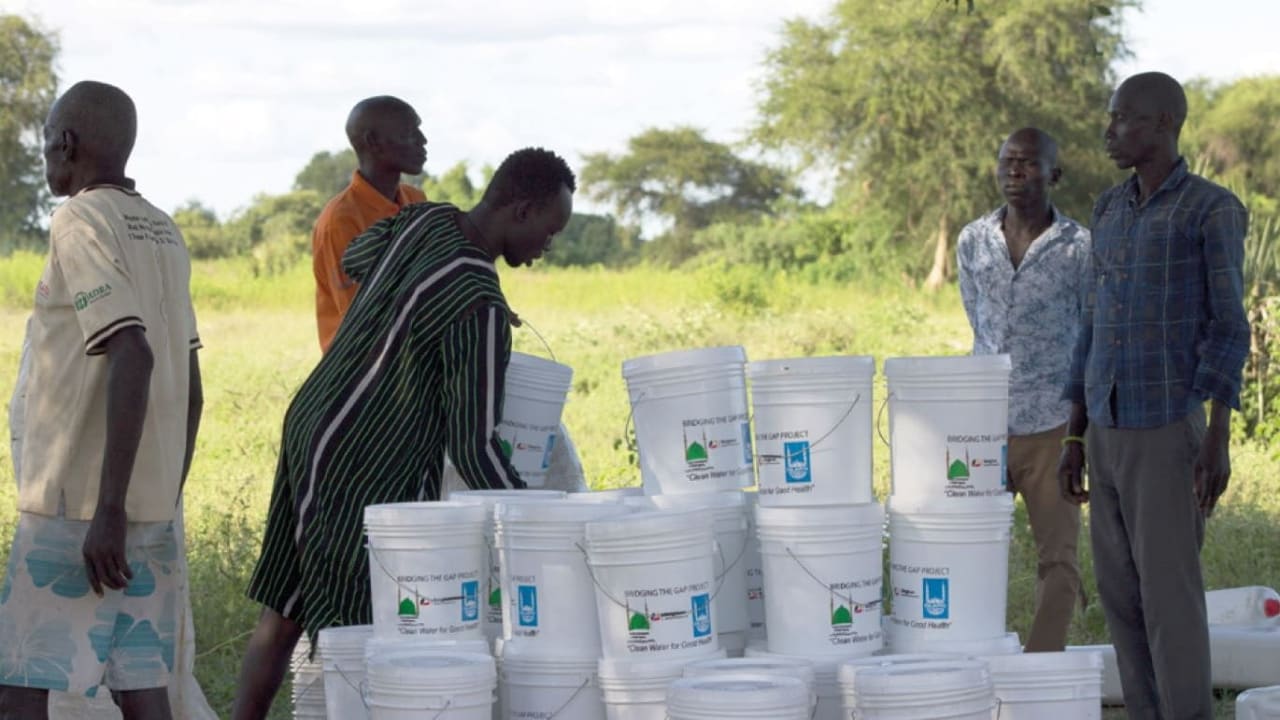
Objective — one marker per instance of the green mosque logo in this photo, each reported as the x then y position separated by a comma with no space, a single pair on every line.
637,621
408,609
840,614
957,469
506,447
495,596
695,453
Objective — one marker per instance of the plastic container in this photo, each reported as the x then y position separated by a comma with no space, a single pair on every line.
1048,686
342,657
533,400
720,697
951,689
546,686
637,689
1254,606
443,686
812,421
692,425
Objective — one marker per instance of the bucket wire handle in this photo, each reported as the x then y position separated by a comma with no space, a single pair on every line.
575,694
448,703
319,677
727,568
373,553
842,596
545,344
880,416
857,397
594,580
626,429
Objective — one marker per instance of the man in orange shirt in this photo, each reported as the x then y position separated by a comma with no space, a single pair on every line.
386,135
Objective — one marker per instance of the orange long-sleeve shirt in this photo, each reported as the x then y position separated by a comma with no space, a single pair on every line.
348,214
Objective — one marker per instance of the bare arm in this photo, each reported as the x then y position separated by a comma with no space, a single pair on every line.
129,363
195,408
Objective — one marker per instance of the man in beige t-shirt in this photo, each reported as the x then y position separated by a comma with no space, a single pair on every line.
112,407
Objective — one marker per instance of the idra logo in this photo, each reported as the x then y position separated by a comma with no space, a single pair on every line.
937,598
796,456
83,300
701,615
527,607
470,600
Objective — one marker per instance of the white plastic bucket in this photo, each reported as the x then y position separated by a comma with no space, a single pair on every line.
951,689
442,686
812,421
307,683
755,573
949,570
654,584
550,600
847,672
614,495
725,697
823,568
342,656
948,425
772,666
637,689
492,612
377,646
1048,686
427,566
829,703
538,686
727,511
1259,704
534,396
690,410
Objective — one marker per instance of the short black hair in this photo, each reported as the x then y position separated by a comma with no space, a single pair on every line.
530,174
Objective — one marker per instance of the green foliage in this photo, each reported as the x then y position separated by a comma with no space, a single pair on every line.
909,102
455,186
327,173
28,83
278,218
683,179
592,240
1233,128
201,230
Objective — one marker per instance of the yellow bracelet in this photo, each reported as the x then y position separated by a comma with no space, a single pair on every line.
1072,439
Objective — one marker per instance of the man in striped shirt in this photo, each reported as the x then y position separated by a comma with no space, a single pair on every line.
416,369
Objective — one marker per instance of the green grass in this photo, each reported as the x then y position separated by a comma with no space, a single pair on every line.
260,343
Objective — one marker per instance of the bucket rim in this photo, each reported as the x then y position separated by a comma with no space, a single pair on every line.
932,367
766,691
938,676
680,359
645,524
713,500
841,365
1018,664
506,513
648,668
492,497
950,506
525,361
432,512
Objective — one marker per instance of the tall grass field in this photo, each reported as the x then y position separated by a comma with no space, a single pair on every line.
260,343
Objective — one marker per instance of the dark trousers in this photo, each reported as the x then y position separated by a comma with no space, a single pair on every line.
1147,530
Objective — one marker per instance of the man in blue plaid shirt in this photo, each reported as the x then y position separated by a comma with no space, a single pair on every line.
1163,333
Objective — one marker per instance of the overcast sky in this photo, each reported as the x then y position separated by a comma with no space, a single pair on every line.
234,96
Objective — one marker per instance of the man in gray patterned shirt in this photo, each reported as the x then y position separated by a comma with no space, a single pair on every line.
1021,274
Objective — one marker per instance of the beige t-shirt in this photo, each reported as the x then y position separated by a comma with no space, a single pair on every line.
115,261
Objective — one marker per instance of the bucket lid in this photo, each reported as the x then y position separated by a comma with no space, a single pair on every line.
1258,704
432,669
843,365
824,667
918,678
1043,662
556,512
989,505
684,358
849,669
862,515
351,638
1007,644
423,513
935,367
758,692
490,497
646,525
773,666
697,501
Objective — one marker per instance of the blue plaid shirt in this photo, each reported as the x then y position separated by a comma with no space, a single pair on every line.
1164,327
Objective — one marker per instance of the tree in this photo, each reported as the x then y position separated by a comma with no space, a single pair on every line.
202,231
455,186
328,173
909,102
683,179
1233,129
591,240
28,83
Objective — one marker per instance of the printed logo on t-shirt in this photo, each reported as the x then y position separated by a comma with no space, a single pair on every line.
85,299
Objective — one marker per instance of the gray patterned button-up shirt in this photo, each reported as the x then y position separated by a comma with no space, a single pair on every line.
1031,313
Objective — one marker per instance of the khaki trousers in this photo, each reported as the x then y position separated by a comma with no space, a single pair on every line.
1055,525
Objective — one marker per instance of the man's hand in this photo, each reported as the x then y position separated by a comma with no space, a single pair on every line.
104,558
1071,474
1213,467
